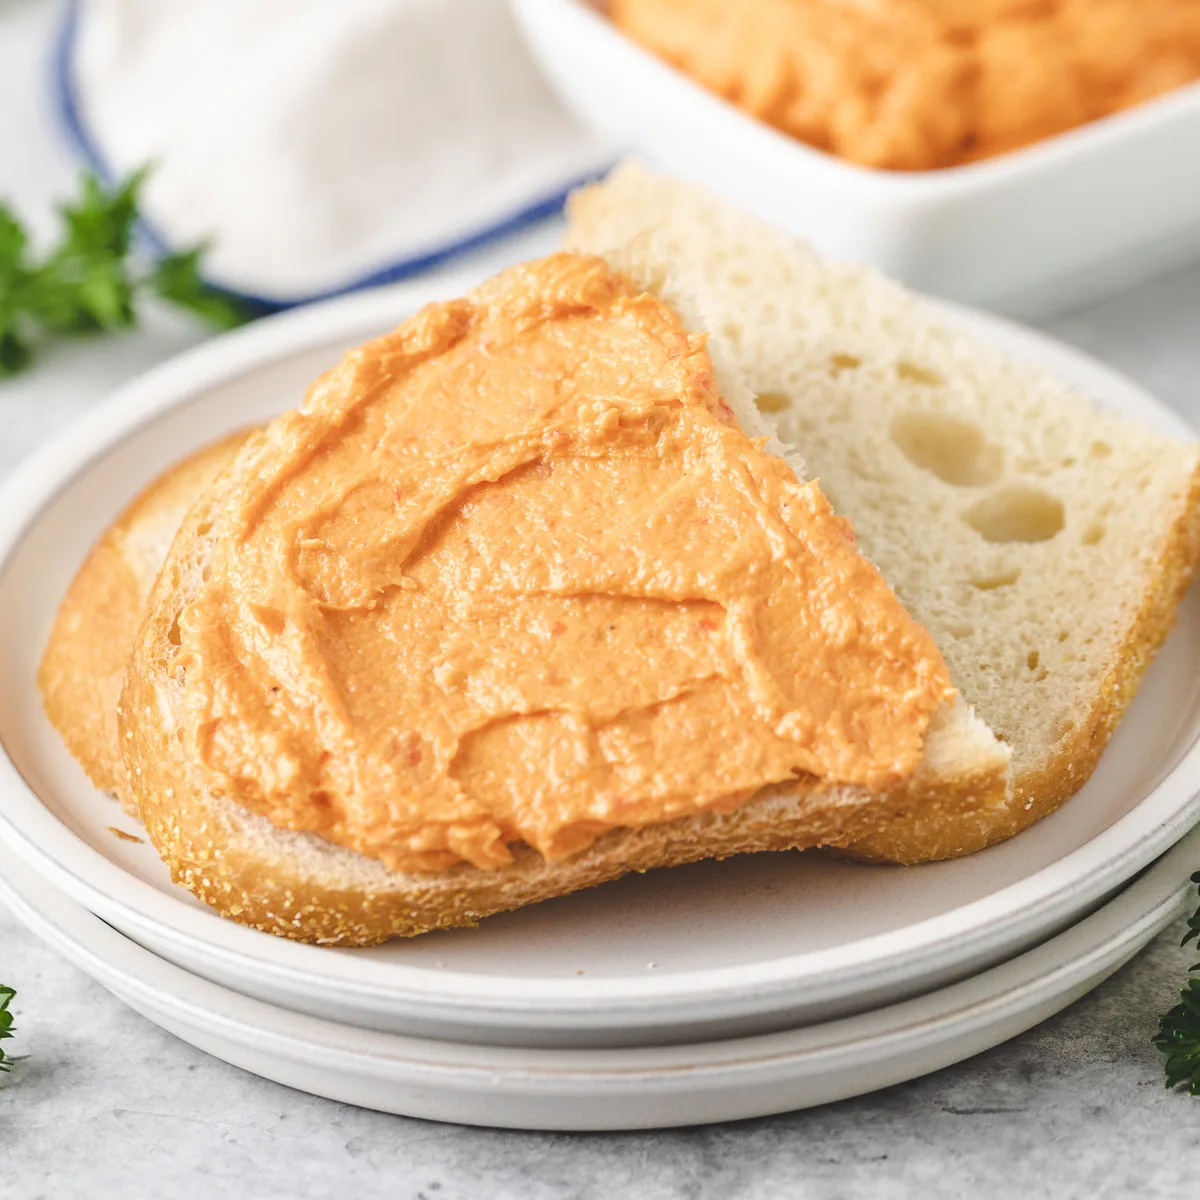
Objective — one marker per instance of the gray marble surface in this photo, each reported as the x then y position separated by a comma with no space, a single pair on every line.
108,1105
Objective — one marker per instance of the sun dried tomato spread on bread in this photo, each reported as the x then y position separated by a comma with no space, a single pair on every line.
514,573
522,598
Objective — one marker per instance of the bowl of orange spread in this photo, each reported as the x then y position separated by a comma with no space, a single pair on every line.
1024,155
917,85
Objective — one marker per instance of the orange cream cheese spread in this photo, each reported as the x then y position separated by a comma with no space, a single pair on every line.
920,84
513,573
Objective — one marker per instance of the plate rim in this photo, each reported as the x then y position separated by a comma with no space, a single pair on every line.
1153,899
1004,917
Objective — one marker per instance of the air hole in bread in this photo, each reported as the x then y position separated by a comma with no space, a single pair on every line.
771,402
989,583
173,634
1032,659
1093,533
954,450
843,362
1100,450
204,529
960,631
1017,514
915,373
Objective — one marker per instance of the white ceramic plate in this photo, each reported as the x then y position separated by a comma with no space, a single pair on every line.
612,1089
699,952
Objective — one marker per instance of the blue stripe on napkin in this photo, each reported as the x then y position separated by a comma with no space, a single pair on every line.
66,101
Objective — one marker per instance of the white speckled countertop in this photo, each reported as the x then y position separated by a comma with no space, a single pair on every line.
108,1105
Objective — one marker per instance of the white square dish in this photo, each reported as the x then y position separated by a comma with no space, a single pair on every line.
1056,224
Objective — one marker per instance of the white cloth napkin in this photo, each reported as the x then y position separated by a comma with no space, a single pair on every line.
320,144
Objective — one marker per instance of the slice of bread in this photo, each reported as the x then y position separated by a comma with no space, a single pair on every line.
300,886
1045,544
83,665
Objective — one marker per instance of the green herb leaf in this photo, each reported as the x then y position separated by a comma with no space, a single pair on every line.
6,1024
15,352
101,222
106,294
177,278
88,283
12,242
1193,930
14,345
1178,1035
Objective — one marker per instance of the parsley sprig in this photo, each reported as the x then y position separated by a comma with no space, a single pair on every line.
1178,1035
92,280
6,1024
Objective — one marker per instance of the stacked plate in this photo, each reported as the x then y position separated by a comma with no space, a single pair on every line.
706,993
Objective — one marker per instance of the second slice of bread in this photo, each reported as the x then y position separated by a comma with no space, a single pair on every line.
83,665
1045,544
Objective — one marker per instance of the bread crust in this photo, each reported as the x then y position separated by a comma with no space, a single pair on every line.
298,886
1038,793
